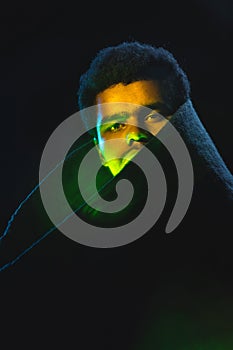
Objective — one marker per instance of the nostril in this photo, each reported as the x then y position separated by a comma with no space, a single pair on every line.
137,137
142,140
130,141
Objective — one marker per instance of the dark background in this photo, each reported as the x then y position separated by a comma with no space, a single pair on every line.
45,49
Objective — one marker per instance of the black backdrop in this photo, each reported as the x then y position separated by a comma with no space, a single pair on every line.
45,49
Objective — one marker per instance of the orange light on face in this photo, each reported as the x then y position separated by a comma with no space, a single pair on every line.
118,119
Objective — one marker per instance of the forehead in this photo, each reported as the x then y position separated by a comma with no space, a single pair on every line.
144,93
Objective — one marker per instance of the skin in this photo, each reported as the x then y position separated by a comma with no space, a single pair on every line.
127,123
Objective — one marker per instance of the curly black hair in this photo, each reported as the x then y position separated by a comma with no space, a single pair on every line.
132,61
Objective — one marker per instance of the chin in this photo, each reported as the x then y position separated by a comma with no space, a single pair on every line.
116,166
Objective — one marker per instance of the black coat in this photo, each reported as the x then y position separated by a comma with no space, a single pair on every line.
161,291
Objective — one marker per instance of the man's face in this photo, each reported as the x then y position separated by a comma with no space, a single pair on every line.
121,121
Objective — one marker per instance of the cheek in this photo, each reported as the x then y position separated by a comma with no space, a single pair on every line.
109,150
154,128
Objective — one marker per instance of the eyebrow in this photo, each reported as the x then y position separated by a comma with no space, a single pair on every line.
122,115
159,106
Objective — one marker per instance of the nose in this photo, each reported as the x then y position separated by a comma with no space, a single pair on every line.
137,135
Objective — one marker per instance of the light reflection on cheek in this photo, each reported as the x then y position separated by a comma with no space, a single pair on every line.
113,152
155,127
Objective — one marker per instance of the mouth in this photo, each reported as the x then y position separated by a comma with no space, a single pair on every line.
116,165
129,155
134,150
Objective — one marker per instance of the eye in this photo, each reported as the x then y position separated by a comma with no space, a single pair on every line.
116,127
154,116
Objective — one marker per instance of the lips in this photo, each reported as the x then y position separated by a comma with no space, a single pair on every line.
127,156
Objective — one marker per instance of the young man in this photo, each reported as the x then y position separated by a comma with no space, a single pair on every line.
133,73
125,77
162,291
185,271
